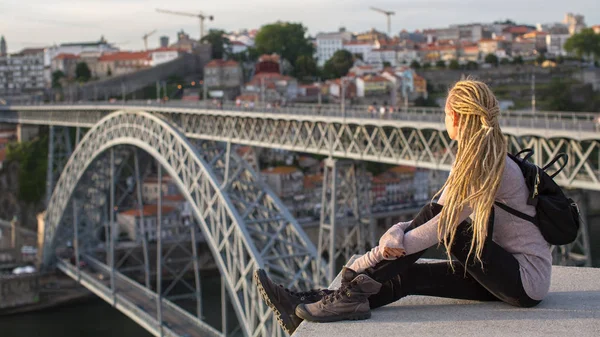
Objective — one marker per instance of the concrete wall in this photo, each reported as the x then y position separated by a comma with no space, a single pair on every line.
26,133
114,86
17,290
506,74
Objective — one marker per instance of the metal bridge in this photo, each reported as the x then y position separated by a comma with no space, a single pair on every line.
243,222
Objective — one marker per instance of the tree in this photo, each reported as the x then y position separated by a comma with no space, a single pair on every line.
415,64
584,44
426,65
32,157
285,39
440,64
338,65
471,65
56,77
540,59
306,68
558,96
109,72
504,61
454,65
82,72
506,22
221,46
386,64
491,59
518,60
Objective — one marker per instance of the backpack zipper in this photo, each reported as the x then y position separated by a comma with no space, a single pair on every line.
537,181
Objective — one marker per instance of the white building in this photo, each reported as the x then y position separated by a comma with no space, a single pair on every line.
162,55
77,48
238,47
406,56
172,227
22,72
150,188
555,44
361,48
329,43
286,181
381,56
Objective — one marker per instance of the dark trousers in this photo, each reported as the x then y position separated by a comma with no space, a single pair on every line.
499,279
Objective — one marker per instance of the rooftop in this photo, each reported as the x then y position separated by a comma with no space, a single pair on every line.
148,210
572,308
281,170
221,63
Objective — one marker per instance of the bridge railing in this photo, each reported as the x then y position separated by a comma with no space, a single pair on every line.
201,326
86,113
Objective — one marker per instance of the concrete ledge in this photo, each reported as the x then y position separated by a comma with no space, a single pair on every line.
572,308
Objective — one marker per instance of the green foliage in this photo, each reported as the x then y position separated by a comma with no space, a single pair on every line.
306,68
56,77
338,65
82,72
472,65
109,72
284,38
540,59
415,64
426,65
584,44
33,160
454,65
505,22
440,64
426,102
221,46
504,61
517,60
386,64
491,59
558,96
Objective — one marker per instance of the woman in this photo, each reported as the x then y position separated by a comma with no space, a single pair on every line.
492,255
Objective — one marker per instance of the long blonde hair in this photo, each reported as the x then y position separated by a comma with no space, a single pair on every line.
479,164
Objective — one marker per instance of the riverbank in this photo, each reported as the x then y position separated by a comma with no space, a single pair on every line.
55,290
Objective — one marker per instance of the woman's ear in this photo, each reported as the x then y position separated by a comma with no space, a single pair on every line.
455,117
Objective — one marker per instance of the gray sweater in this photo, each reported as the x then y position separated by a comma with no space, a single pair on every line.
517,236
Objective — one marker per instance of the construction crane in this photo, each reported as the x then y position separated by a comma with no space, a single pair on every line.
145,37
389,18
199,16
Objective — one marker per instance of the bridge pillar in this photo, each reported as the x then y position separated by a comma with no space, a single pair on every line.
345,215
59,151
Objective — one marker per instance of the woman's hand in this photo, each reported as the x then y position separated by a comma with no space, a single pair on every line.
391,243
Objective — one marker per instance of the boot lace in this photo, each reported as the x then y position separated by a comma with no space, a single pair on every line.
302,294
342,291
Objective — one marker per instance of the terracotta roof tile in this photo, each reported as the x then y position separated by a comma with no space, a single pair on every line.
125,56
148,210
281,170
65,56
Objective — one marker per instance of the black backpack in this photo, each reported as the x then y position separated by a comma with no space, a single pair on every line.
556,215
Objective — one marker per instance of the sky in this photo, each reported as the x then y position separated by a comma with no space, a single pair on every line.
38,23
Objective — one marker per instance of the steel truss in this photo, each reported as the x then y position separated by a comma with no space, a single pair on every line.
244,223
345,227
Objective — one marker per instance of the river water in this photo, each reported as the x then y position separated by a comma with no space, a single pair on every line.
96,318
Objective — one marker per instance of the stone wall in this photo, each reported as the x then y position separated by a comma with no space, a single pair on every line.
115,86
18,290
442,80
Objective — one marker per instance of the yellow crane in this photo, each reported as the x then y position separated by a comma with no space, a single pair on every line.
389,18
145,37
200,16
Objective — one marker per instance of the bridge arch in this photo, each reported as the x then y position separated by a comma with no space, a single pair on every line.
232,244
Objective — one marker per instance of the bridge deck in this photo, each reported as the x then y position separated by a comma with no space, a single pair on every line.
571,308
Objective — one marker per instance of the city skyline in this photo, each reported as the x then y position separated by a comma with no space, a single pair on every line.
36,23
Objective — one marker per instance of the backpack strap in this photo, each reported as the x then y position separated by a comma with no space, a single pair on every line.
516,213
560,155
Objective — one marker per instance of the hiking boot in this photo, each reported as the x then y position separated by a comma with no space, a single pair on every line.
283,301
349,302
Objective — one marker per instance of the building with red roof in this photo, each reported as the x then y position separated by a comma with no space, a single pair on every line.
223,75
